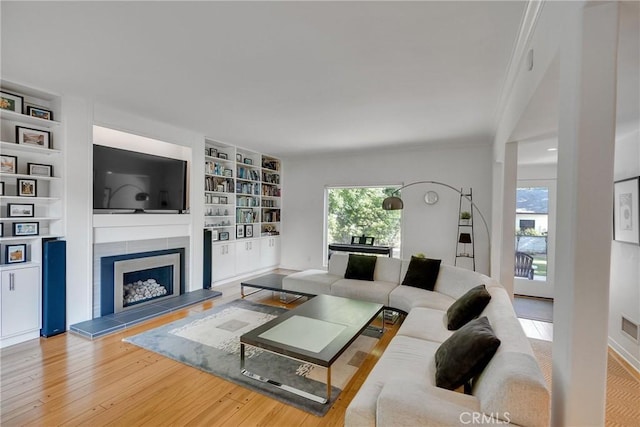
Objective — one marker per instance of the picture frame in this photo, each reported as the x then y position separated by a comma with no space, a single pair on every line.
214,234
213,152
41,113
8,164
239,231
1,188
248,230
1,229
248,161
20,210
222,156
33,137
224,235
26,228
223,200
238,157
39,169
27,187
15,253
11,102
227,173
626,215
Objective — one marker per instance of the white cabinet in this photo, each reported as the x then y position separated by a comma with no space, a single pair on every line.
247,255
223,261
269,251
20,300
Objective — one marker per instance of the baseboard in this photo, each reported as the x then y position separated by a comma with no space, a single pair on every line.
626,359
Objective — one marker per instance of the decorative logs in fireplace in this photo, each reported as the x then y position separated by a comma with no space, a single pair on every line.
142,290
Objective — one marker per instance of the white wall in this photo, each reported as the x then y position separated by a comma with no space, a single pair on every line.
429,229
624,291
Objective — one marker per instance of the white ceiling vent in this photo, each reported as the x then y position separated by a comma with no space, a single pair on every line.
631,328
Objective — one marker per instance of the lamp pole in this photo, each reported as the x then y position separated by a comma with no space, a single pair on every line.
393,203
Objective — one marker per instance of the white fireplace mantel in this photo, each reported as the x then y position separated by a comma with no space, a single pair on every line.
109,228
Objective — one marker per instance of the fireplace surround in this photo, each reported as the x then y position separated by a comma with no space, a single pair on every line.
154,274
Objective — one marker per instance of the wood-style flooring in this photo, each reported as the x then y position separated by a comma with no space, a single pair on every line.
69,380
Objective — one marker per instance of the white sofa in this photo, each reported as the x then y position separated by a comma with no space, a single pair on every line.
401,390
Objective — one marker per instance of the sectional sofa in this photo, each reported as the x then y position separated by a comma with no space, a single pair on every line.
401,388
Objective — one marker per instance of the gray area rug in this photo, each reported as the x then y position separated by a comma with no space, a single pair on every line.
209,341
534,308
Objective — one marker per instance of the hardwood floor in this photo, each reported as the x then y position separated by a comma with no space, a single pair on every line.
69,380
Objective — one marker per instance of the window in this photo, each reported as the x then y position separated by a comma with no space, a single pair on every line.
532,228
357,211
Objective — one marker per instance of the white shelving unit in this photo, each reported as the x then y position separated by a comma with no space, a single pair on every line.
244,214
20,287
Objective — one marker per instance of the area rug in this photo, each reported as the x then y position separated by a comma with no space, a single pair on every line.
210,341
540,309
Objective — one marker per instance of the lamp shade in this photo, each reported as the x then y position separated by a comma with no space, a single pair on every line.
464,238
392,203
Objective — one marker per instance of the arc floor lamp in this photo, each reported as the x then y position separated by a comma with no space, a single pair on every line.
394,202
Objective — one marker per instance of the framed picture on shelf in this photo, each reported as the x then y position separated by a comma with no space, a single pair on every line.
222,156
26,228
239,231
8,164
20,210
238,157
40,113
248,161
27,187
626,215
34,137
16,253
215,200
248,230
1,188
1,229
223,200
224,235
214,234
38,169
11,102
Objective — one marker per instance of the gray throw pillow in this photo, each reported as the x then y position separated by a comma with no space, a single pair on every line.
360,267
422,273
465,354
467,307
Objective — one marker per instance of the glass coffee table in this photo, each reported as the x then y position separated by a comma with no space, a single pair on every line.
317,331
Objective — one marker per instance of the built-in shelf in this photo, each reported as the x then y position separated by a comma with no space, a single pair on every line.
23,118
19,265
40,236
28,199
30,219
21,175
28,148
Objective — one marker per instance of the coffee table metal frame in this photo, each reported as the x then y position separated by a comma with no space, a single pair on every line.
354,314
270,282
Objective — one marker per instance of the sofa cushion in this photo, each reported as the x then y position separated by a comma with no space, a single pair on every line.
426,324
406,298
338,263
422,273
465,354
387,270
314,282
375,291
467,307
361,267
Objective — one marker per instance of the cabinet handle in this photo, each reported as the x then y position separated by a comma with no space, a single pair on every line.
12,281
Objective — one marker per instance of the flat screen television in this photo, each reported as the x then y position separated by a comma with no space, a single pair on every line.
126,180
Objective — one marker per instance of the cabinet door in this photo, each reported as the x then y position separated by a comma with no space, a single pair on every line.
247,255
269,252
20,300
223,262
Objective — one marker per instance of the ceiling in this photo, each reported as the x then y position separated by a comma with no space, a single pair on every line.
278,77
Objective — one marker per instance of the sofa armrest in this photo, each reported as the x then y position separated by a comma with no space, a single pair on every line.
402,403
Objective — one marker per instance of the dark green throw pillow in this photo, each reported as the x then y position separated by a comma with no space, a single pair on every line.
360,267
422,273
467,307
465,354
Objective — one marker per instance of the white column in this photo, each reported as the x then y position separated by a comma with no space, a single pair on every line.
585,181
507,226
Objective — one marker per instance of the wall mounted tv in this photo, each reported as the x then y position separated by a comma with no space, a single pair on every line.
126,180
